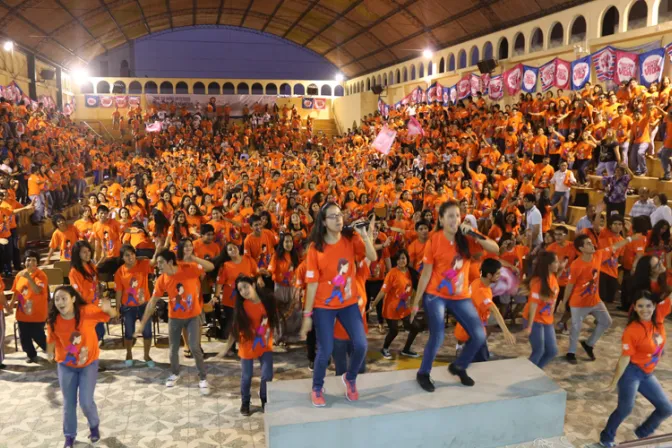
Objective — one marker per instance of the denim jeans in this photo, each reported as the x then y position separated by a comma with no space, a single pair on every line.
609,166
563,197
665,154
544,345
324,320
130,314
602,317
581,165
638,157
82,380
465,313
635,380
100,330
38,203
342,350
247,366
175,327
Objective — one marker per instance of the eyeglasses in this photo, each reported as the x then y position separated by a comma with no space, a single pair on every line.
335,216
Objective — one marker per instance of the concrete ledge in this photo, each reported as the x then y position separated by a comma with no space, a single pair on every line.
513,402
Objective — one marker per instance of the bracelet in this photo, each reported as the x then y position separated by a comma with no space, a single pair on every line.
307,313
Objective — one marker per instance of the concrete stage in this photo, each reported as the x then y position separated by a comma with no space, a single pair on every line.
513,402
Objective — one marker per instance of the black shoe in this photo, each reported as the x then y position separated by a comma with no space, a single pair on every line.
2,366
462,373
571,358
32,360
425,382
245,409
311,365
588,350
101,369
263,405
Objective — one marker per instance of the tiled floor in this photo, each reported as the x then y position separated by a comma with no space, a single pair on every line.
137,410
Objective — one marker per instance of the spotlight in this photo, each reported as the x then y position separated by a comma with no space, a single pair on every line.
339,77
80,75
427,54
8,45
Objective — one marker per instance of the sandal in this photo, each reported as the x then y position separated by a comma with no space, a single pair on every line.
187,354
150,364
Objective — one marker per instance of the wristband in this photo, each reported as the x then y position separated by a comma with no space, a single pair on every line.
415,309
307,314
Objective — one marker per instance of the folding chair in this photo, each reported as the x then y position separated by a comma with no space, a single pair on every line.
54,278
107,280
65,267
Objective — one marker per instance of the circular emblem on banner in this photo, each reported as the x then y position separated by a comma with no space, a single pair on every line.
626,69
561,74
529,80
651,68
91,101
106,101
580,73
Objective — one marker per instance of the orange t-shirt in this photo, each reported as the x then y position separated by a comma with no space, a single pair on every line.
35,183
183,290
31,307
333,270
644,344
363,272
133,283
282,270
416,250
450,273
609,263
64,241
227,277
567,252
398,288
544,314
206,251
77,346
262,341
108,234
88,289
481,295
260,248
585,276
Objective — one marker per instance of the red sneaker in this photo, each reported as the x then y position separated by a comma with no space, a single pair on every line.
317,397
350,389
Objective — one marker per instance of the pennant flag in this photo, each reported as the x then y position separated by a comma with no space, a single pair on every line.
438,91
384,140
319,103
547,75
496,87
603,61
91,100
475,84
651,66
154,127
422,94
414,128
415,96
381,107
580,72
453,94
668,50
625,66
14,93
562,69
485,82
307,103
106,101
134,101
445,95
530,75
512,79
463,87
431,93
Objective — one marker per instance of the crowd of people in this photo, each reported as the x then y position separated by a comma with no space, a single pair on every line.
263,233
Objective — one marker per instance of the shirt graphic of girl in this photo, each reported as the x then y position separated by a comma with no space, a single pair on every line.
287,277
21,298
67,252
261,334
340,283
133,293
108,244
264,258
590,287
178,298
403,299
453,278
73,349
658,340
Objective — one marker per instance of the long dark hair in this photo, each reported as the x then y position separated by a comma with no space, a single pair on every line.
648,295
78,264
415,276
657,235
460,240
541,270
241,323
161,223
320,227
641,279
53,311
293,254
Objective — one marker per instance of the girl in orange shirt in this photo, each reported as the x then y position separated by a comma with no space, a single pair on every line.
73,345
284,262
83,277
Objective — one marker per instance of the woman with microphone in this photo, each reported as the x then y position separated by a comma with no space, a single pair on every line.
444,283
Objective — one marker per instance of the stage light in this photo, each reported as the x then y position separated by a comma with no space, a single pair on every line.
427,54
339,77
80,75
8,45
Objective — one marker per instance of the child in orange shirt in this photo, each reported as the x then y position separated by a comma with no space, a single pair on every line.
73,344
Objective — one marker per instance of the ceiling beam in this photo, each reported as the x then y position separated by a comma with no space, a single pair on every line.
342,14
247,11
194,12
11,13
272,16
144,19
380,20
421,24
109,13
59,3
219,11
300,18
170,14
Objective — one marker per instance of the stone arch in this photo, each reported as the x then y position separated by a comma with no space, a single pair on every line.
637,15
135,87
166,88
257,89
242,89
181,88
487,51
299,89
519,44
578,30
474,55
325,90
198,88
151,87
103,87
285,89
271,89
536,40
556,36
503,49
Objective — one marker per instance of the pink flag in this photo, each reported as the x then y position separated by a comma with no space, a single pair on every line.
512,79
384,140
320,103
485,82
463,87
154,127
625,66
475,84
414,128
547,75
496,87
562,70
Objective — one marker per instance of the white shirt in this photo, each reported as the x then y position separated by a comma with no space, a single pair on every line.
533,218
558,180
6,168
660,213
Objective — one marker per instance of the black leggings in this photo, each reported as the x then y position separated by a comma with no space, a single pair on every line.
393,330
372,290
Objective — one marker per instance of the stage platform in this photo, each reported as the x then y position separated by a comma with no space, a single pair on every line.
513,402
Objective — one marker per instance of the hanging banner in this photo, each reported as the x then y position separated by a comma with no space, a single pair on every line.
453,94
196,102
562,70
445,95
485,83
668,50
414,128
625,66
415,96
475,84
580,72
319,103
91,100
463,87
547,75
431,93
512,79
307,103
381,107
121,102
384,140
422,95
106,101
530,75
603,62
133,101
496,87
154,127
651,66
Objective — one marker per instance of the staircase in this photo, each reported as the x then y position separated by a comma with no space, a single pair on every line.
328,127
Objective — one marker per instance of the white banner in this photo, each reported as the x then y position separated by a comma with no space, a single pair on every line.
200,102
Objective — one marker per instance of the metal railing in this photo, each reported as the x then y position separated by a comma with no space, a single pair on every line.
101,129
664,440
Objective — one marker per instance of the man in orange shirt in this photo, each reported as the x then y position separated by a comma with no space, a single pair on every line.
260,244
641,140
666,151
36,194
106,234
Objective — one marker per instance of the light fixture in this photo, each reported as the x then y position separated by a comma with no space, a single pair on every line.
80,75
427,54
8,45
339,77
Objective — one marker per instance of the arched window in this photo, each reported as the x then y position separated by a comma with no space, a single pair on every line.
181,88
150,87
461,59
421,70
299,89
578,31
368,84
135,87
103,87
519,44
119,87
430,68
442,65
637,15
412,72
380,81
473,53
227,89
199,88
285,89
166,87
271,89
257,89
537,40
405,74
243,89
385,80
325,90
390,78
86,87
124,70
338,90
610,22
487,50
557,36
665,11
397,76
503,49
451,63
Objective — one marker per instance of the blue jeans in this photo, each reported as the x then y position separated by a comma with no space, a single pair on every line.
609,166
563,197
633,380
82,380
342,350
130,314
100,330
638,157
665,154
38,203
247,366
465,313
544,346
324,320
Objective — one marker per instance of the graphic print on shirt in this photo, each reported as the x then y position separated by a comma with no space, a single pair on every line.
611,261
590,287
341,283
108,244
453,278
67,251
287,277
264,258
180,302
403,298
73,349
135,296
658,340
261,334
21,298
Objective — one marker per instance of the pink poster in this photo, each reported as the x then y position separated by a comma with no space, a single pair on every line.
384,140
562,70
512,79
475,82
547,75
625,66
463,87
320,103
496,87
485,82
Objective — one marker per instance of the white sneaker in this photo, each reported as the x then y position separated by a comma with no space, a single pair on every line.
172,379
204,386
